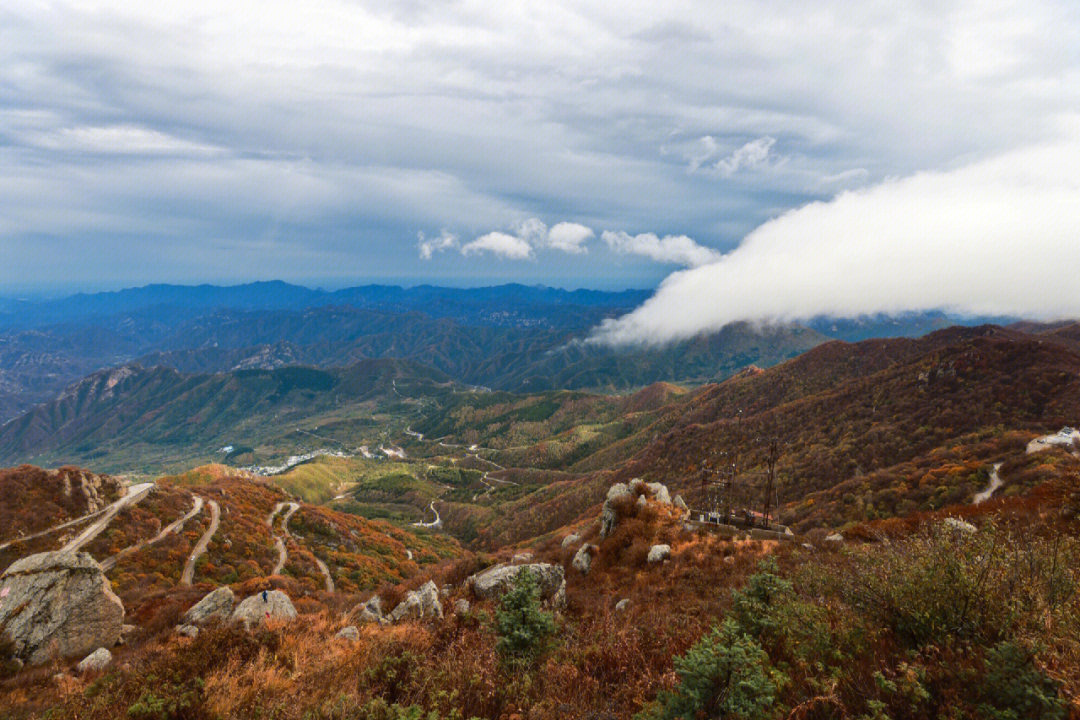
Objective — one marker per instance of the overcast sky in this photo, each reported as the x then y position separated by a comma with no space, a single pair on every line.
579,144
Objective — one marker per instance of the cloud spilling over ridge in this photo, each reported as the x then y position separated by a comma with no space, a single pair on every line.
995,237
672,249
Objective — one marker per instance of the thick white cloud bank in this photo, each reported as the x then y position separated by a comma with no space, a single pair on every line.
996,237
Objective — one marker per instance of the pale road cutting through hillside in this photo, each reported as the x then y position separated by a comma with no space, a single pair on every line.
54,528
326,574
437,522
172,527
995,483
134,495
279,543
200,547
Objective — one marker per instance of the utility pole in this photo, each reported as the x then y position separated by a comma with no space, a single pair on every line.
734,468
772,449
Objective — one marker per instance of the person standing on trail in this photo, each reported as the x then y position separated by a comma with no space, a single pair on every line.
265,598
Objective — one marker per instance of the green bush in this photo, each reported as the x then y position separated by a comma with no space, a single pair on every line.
725,675
755,606
524,629
944,584
1014,688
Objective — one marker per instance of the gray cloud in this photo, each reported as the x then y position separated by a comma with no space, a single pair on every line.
332,123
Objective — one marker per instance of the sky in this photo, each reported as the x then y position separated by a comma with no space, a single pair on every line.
752,158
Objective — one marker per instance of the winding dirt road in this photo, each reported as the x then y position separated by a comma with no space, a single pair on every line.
200,547
326,574
436,523
172,527
279,543
135,494
995,483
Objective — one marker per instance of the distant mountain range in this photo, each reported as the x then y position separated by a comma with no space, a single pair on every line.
512,337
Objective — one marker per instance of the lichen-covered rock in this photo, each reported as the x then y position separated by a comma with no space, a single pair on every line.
622,604
349,632
659,553
370,611
127,632
263,606
217,604
582,561
97,660
190,631
609,516
494,581
419,604
679,503
960,525
521,557
461,606
571,539
58,603
835,538
660,493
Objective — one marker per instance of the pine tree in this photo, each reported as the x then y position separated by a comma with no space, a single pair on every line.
523,628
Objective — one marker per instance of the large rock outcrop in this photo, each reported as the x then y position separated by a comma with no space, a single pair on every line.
58,603
582,561
217,604
622,493
493,582
370,611
263,606
419,604
609,515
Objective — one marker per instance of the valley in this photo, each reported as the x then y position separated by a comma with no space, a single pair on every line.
353,491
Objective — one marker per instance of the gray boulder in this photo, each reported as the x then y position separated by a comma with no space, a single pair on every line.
349,632
960,526
582,561
609,517
835,538
494,581
521,557
659,553
571,539
97,660
660,493
419,604
679,503
370,611
58,603
622,604
190,631
642,501
127,632
461,606
263,606
217,604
